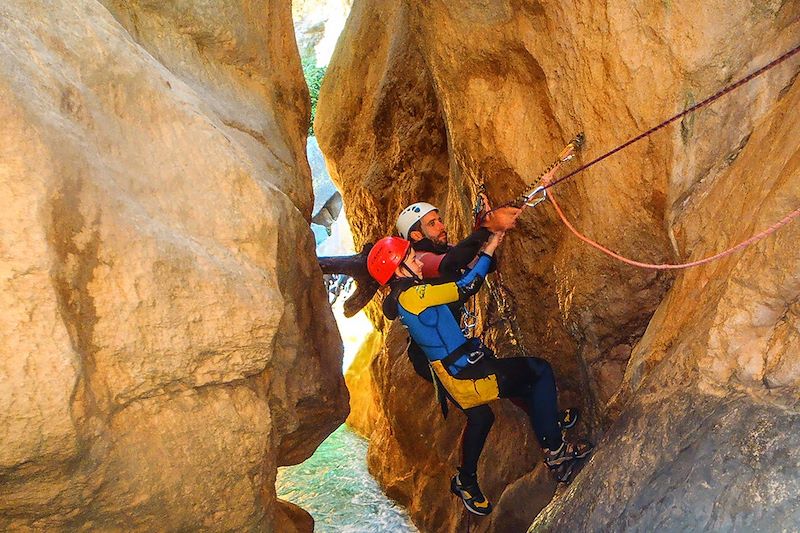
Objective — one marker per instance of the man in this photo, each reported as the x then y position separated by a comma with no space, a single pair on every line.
462,254
422,224
467,370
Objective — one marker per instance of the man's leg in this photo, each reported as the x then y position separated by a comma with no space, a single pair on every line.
532,380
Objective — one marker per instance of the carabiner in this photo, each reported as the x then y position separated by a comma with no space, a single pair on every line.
468,321
534,202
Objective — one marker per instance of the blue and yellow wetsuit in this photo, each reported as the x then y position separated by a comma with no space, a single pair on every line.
423,310
442,263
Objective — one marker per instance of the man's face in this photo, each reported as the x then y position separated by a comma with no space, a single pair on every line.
433,228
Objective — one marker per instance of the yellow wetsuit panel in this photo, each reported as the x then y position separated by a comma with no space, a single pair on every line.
417,298
468,392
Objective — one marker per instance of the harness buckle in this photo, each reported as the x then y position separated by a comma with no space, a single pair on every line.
474,357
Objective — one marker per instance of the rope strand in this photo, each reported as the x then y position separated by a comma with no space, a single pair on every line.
672,119
755,238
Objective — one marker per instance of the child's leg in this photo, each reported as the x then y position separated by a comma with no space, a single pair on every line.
479,422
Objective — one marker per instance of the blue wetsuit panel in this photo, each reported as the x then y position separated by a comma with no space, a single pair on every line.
423,310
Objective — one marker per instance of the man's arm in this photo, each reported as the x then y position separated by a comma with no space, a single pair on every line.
462,254
354,266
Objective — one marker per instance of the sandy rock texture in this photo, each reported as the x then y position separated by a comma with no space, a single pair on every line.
165,339
424,101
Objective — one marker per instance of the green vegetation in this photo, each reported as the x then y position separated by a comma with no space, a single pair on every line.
314,75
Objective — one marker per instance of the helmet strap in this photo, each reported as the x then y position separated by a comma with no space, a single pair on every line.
405,267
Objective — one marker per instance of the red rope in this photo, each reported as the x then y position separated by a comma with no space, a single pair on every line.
670,120
755,238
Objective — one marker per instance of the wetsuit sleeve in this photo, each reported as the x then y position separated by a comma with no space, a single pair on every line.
492,267
462,254
420,297
472,280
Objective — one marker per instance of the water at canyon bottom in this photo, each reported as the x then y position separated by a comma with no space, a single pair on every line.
336,488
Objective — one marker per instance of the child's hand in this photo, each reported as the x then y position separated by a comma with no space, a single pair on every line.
493,242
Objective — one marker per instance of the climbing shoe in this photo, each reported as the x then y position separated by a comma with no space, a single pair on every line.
563,472
568,418
471,495
568,451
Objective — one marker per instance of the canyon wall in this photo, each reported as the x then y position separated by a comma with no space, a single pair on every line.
688,379
166,338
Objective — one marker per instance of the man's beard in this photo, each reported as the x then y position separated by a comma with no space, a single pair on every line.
441,238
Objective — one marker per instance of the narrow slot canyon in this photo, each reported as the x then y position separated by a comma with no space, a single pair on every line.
174,359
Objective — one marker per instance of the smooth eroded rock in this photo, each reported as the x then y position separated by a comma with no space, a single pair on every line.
427,100
166,341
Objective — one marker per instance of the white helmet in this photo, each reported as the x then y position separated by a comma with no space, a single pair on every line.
411,215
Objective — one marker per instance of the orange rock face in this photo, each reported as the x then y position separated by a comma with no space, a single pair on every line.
358,378
426,100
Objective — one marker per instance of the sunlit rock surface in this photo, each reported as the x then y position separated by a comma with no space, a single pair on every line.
690,378
358,377
166,341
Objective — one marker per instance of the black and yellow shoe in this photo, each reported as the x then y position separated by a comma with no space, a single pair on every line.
471,495
568,418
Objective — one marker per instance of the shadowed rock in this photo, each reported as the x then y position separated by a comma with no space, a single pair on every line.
427,100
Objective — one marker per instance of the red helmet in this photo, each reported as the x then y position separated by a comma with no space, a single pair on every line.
385,257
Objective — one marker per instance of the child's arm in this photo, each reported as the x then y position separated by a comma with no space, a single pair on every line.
419,297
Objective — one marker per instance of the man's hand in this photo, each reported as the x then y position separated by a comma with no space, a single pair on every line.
502,219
